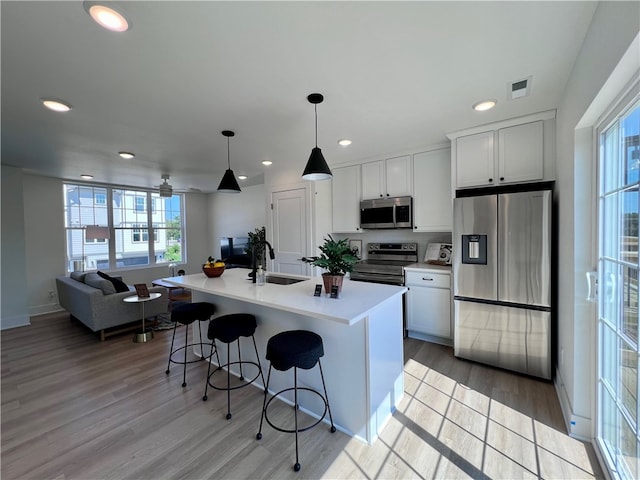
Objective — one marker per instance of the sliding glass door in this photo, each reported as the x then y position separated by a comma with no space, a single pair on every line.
618,352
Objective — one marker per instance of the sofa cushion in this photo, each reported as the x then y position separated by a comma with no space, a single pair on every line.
96,281
78,276
118,284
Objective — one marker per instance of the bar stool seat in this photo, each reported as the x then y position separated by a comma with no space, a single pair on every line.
227,329
295,349
185,314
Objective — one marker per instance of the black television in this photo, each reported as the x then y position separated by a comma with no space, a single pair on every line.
233,251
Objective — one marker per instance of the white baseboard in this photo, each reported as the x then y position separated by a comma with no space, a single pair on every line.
578,426
46,308
13,322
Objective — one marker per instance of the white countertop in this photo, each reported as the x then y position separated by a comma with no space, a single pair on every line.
356,299
421,267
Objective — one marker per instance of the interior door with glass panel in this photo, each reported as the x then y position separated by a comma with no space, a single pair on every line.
618,354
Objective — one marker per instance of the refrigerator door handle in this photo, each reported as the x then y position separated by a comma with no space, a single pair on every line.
592,285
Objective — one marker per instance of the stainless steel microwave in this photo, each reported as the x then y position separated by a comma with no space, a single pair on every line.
386,213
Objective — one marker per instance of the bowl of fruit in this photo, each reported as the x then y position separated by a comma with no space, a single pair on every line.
213,268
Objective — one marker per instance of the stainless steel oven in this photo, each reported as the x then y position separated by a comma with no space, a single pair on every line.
385,263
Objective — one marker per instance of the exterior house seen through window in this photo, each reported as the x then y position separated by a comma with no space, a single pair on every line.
131,226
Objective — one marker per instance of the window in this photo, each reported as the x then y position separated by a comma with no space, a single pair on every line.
139,202
139,234
618,432
131,227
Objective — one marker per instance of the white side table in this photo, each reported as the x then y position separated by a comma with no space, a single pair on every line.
143,335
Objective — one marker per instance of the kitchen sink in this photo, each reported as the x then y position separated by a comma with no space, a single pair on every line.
280,280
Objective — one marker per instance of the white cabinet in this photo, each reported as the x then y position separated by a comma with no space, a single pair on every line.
387,178
520,153
345,199
474,155
429,305
519,156
432,208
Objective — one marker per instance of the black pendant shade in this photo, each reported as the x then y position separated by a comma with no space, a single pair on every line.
228,184
317,168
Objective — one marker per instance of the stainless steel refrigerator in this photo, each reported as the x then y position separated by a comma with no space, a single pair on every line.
503,280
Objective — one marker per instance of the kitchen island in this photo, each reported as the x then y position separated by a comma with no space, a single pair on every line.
361,332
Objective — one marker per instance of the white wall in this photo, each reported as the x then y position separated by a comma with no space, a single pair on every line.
235,214
614,27
13,299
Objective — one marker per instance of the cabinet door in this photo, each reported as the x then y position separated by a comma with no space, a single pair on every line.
474,160
429,310
398,176
345,197
373,180
432,208
520,153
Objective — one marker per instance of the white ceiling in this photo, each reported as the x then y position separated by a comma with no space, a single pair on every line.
396,77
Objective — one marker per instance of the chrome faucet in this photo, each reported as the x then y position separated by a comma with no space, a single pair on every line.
254,267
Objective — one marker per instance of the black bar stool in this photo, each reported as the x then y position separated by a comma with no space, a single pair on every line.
186,314
297,349
228,329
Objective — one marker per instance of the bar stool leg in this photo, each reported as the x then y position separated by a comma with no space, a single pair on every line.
324,387
184,370
255,347
296,466
229,379
264,404
240,360
206,384
175,326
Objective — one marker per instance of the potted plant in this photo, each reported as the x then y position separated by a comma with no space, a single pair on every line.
255,237
337,258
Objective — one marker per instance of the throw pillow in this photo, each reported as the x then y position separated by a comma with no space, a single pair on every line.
118,284
78,276
95,281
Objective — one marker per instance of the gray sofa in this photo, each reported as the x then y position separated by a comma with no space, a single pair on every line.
99,307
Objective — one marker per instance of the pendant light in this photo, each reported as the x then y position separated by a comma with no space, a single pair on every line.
228,184
317,168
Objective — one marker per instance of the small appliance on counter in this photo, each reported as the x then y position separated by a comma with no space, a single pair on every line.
438,254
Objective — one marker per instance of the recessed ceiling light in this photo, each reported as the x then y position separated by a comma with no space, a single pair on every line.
84,176
484,105
56,105
242,177
345,142
107,17
267,162
126,155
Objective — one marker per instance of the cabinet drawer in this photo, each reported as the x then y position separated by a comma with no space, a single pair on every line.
428,279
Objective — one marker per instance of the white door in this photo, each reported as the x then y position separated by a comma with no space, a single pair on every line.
618,427
290,230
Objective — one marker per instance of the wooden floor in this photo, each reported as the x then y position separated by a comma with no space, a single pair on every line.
77,408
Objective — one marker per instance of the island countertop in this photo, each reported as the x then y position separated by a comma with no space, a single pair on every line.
354,303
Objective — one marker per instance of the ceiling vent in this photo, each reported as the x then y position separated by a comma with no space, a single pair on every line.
519,88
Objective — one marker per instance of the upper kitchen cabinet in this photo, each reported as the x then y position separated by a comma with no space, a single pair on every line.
387,178
345,197
512,151
432,208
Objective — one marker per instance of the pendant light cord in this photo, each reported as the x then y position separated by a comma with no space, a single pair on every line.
228,154
316,110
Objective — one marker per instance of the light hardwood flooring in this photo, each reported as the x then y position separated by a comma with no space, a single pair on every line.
77,408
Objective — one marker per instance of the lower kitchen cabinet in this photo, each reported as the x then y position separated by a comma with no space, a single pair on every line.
428,304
